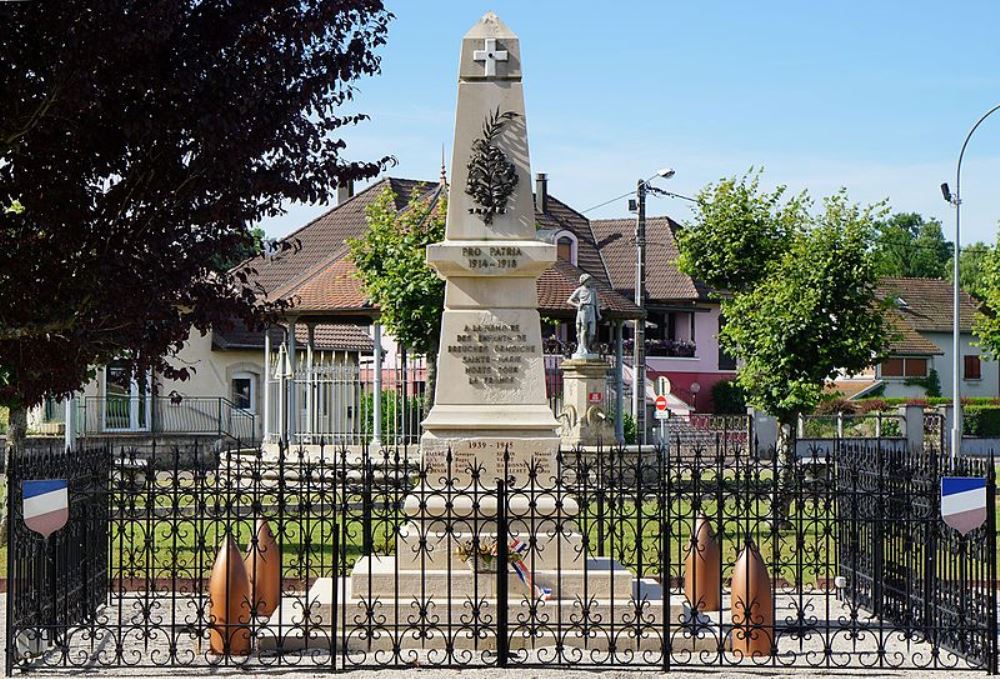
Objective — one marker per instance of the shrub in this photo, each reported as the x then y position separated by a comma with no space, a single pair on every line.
834,405
728,398
982,421
872,405
628,426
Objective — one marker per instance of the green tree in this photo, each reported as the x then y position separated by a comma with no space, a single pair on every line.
906,245
972,261
392,265
808,312
738,231
986,326
813,314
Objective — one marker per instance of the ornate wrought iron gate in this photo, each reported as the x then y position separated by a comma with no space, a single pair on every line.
862,573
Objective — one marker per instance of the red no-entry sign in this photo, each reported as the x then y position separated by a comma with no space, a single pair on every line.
661,402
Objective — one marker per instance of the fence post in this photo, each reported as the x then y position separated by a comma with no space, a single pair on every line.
600,504
12,579
367,507
335,607
912,417
502,548
991,541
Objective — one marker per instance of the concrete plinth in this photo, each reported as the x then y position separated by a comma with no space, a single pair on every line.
584,418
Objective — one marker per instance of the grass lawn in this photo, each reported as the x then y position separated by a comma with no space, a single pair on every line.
177,541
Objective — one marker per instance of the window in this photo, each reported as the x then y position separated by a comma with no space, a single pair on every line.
243,391
973,368
892,367
565,249
904,367
915,367
566,246
726,361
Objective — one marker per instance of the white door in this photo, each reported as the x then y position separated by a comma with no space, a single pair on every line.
127,401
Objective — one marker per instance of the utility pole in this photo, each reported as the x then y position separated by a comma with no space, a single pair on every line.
639,335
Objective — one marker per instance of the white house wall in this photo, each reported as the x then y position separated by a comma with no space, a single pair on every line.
988,386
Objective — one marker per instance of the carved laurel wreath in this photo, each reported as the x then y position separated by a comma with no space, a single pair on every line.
492,175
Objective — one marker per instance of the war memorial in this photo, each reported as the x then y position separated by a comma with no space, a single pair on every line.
494,543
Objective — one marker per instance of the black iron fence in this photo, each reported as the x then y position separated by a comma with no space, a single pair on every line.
490,557
55,585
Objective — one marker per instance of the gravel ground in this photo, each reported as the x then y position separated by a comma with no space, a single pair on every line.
313,668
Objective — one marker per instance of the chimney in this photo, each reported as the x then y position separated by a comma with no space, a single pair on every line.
541,192
345,191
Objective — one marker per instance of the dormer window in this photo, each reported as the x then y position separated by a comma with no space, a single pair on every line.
901,303
566,246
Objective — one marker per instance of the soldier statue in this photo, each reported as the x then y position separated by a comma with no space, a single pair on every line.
588,312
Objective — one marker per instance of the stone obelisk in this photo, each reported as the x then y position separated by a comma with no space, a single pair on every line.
490,394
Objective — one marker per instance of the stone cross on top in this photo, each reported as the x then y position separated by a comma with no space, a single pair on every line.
490,51
491,55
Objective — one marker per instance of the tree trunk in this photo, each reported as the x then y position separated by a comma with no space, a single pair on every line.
17,434
786,471
431,360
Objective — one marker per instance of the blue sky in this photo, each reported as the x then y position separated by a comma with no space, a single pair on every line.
875,97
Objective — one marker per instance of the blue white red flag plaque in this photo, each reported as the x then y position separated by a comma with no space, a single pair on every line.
963,502
46,505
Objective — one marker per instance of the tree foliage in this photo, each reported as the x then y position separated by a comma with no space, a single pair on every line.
908,246
808,311
986,326
738,231
972,269
392,265
142,141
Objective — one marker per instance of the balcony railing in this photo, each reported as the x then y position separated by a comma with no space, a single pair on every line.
664,348
193,415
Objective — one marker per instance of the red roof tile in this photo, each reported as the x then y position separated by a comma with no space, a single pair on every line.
664,282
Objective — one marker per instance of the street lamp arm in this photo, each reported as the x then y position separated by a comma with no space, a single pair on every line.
956,326
965,144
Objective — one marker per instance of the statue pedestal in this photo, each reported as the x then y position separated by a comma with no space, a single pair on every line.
585,418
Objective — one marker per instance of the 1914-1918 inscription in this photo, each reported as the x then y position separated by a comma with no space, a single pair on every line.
492,258
492,353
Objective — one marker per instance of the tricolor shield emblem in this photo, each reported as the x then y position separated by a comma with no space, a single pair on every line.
46,505
963,502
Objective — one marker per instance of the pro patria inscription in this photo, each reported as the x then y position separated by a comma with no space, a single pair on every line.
492,258
492,353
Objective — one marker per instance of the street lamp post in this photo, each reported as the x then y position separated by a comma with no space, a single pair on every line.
639,334
956,339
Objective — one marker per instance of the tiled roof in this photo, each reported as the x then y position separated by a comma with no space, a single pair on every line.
340,337
664,282
926,303
327,235
320,278
557,217
333,286
851,389
908,340
558,282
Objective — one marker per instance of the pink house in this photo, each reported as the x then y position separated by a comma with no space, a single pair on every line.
683,321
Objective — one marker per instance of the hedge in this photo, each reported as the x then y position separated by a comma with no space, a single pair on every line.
932,401
982,421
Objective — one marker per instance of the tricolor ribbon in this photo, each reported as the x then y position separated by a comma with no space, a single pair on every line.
521,550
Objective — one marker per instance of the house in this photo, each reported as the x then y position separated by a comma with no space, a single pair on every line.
320,278
921,356
221,398
683,319
323,357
